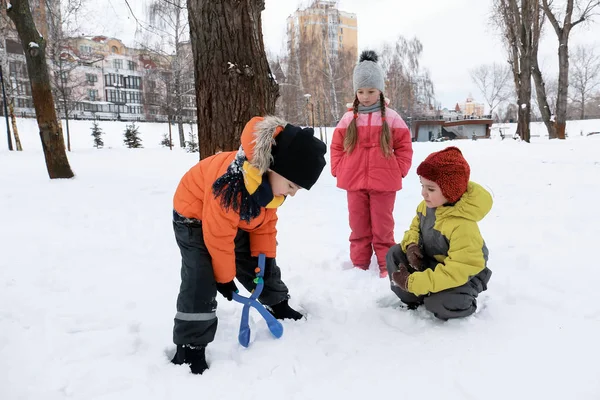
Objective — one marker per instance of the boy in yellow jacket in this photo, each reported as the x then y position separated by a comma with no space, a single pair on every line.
442,259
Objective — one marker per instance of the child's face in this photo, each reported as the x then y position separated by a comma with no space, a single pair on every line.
281,186
432,193
368,96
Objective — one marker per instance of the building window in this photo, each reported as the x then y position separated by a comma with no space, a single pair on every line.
118,64
133,97
23,88
131,66
152,98
24,103
91,78
93,94
115,49
132,82
85,49
134,109
115,96
17,69
113,80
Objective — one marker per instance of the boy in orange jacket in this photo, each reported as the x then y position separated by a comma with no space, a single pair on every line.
225,216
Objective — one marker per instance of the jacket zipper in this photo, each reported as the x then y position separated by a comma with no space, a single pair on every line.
368,150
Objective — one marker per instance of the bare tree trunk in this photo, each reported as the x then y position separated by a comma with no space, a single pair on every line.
563,87
233,79
13,121
67,123
518,28
170,135
34,46
542,99
540,86
178,91
563,32
582,106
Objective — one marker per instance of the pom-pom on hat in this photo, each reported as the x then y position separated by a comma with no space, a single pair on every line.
449,169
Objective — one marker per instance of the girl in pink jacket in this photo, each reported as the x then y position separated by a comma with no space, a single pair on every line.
371,152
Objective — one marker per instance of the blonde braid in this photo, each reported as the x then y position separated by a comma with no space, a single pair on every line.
385,141
351,132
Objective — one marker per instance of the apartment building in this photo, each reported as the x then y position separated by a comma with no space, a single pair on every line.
100,78
322,49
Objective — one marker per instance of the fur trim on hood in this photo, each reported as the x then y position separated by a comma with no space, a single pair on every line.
258,138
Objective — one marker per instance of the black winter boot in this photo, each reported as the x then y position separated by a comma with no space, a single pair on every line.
284,311
192,355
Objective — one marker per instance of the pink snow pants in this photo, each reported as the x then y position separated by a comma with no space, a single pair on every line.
372,225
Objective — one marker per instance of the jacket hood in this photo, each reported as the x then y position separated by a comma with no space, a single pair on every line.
474,204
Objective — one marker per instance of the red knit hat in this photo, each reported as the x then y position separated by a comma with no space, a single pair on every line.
449,169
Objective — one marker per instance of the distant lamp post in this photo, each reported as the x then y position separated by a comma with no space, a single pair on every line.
307,98
310,111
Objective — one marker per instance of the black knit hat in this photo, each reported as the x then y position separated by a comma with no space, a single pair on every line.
298,156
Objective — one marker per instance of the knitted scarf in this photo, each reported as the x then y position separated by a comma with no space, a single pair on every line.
244,189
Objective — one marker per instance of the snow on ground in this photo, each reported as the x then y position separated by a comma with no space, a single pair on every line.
89,274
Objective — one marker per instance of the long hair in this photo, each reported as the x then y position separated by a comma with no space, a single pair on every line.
351,138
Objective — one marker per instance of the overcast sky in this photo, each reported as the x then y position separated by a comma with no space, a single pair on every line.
456,34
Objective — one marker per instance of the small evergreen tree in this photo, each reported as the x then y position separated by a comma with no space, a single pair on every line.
97,135
132,139
165,141
191,146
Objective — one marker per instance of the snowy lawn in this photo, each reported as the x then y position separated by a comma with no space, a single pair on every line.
89,274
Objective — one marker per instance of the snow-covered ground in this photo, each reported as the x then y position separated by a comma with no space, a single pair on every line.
89,274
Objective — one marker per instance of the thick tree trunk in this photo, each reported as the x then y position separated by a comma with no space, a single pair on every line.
540,86
13,121
563,86
524,112
233,79
34,46
542,99
582,115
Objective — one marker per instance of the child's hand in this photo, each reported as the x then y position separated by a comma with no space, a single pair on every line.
227,289
400,277
414,256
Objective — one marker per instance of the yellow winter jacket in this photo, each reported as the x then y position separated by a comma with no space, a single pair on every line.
453,249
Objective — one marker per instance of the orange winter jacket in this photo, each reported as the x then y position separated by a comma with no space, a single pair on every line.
194,199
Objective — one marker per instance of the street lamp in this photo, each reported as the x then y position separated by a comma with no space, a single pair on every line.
307,98
309,107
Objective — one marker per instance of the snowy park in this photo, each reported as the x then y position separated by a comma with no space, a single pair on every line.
90,271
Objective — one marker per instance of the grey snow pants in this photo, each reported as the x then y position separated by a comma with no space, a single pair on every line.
196,319
457,302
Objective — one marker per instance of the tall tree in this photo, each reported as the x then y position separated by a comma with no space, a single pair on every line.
585,76
585,10
492,80
169,32
34,46
408,86
66,84
233,78
541,93
516,20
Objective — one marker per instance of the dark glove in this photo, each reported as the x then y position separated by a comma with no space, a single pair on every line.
414,256
400,277
227,289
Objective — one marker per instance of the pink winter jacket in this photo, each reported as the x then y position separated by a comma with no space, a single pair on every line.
366,167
